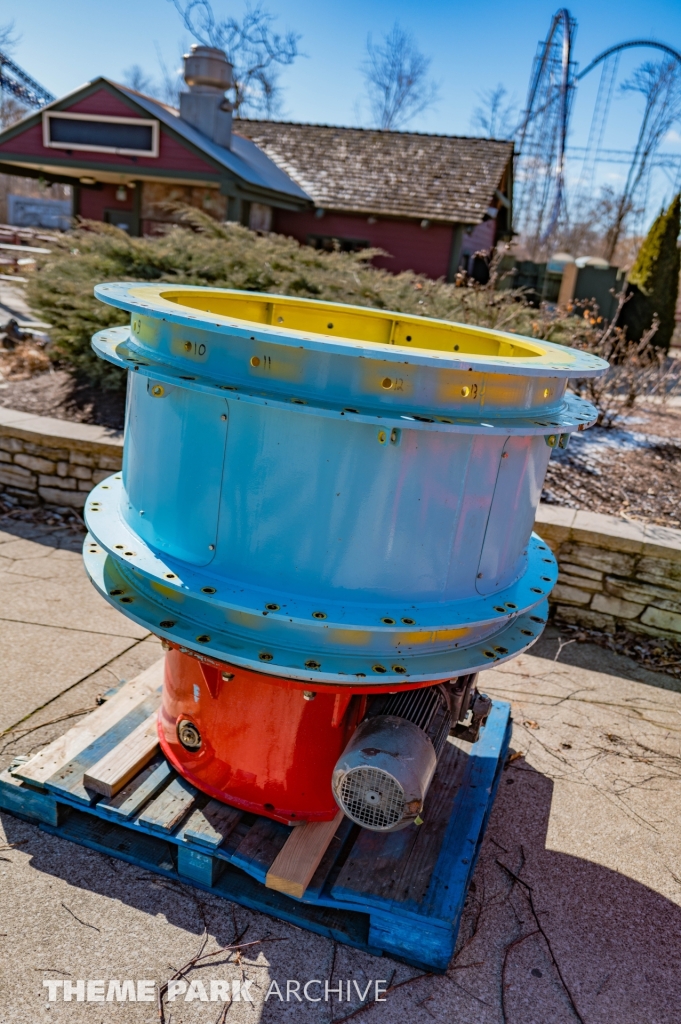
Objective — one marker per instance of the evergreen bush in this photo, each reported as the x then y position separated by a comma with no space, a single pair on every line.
653,283
201,251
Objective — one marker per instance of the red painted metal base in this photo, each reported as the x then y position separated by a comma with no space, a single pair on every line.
264,747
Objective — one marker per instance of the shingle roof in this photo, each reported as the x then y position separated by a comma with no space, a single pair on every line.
243,159
403,174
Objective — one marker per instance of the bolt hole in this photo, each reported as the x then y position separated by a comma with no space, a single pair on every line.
527,632
311,663
207,590
409,622
509,605
318,615
126,600
330,326
129,553
498,608
167,624
489,654
170,575
387,621
536,590
535,618
386,383
409,337
115,593
400,669
268,807
272,607
203,638
501,650
379,668
255,361
264,656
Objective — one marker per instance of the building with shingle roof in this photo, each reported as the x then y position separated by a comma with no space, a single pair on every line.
427,201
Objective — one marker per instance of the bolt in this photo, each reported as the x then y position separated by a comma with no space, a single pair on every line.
211,547
223,417
309,695
227,676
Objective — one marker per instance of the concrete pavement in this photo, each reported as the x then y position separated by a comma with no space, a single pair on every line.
574,913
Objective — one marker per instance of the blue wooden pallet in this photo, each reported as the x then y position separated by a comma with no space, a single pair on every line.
399,894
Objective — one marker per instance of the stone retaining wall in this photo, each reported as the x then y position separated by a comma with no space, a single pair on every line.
54,462
611,570
614,571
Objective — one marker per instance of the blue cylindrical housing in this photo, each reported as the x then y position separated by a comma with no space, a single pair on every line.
328,492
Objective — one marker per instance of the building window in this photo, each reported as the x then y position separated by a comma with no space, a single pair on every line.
128,136
331,243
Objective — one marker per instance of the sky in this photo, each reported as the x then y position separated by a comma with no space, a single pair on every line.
472,47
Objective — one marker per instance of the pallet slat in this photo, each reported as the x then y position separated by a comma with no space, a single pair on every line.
299,857
212,824
258,850
168,809
139,790
65,748
108,775
69,779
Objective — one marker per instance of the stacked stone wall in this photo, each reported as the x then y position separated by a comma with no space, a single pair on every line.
614,572
54,462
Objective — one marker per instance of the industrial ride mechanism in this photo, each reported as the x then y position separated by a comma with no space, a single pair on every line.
325,512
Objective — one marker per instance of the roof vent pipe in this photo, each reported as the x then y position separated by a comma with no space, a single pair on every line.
208,74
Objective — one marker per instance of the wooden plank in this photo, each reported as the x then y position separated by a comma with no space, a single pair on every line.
65,748
210,825
127,758
168,809
68,781
328,869
138,792
297,861
260,847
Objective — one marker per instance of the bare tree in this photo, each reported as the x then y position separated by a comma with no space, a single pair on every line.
8,40
496,116
660,85
253,48
396,74
136,77
11,108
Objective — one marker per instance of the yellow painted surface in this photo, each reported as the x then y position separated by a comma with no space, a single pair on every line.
350,323
170,592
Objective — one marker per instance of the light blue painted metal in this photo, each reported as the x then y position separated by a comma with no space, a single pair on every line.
341,509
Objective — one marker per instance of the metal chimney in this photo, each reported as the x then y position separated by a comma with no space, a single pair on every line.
208,74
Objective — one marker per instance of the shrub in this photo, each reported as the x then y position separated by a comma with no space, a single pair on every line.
204,252
653,283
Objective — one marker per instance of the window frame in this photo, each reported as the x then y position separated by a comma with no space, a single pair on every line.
105,119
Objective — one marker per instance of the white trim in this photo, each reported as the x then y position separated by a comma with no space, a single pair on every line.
140,121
